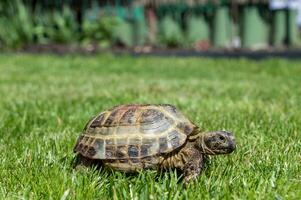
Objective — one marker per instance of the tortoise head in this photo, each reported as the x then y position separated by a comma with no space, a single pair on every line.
216,142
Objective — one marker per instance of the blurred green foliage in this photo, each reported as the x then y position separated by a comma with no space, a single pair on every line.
20,25
107,23
171,34
16,24
197,29
103,26
97,29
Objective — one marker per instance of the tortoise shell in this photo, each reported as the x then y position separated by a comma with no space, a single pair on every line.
134,131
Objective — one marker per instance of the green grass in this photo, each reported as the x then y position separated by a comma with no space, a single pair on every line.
45,102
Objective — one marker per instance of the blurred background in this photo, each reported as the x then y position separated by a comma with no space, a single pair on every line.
145,25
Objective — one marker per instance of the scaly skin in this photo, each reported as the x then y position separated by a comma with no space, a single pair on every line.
189,160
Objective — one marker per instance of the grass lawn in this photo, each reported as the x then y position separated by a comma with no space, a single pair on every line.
45,102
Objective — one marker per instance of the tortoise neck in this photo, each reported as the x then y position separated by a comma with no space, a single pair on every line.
201,144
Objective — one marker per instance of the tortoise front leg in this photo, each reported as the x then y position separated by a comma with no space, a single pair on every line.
193,166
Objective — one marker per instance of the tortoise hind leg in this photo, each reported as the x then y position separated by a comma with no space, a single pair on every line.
83,162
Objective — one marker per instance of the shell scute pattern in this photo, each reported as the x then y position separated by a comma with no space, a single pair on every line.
151,116
135,140
185,127
110,151
103,130
91,151
99,145
78,142
145,148
163,145
134,132
111,120
133,151
87,126
154,122
128,117
121,141
110,141
98,121
121,152
175,113
174,139
122,130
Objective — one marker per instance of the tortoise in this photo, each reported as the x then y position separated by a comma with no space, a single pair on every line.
130,138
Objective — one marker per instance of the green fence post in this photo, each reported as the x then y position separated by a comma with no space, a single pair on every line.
139,25
123,32
170,33
279,28
253,30
293,32
197,29
221,27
